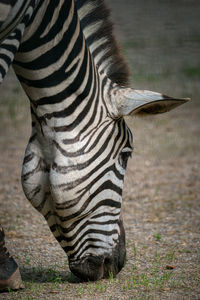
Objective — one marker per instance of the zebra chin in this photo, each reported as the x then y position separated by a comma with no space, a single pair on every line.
91,268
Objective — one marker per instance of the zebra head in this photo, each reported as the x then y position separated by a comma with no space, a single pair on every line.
74,169
101,237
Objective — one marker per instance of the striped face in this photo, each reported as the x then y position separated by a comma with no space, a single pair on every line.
88,193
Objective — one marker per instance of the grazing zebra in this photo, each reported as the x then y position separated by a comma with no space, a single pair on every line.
69,65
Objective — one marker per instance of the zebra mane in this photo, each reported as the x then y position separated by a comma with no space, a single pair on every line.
98,31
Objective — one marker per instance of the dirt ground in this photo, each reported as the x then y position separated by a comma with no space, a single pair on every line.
161,202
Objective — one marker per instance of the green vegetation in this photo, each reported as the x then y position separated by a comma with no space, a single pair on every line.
193,72
157,236
134,282
134,250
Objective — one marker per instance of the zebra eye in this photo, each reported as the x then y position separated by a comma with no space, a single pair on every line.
123,157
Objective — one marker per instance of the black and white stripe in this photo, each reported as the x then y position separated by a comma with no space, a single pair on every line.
69,64
15,16
76,157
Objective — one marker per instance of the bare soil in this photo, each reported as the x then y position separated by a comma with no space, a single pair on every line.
161,201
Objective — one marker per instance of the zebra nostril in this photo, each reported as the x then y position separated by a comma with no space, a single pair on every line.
107,261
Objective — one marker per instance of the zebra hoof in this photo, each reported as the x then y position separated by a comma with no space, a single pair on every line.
10,277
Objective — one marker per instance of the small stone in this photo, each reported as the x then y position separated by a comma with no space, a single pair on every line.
170,267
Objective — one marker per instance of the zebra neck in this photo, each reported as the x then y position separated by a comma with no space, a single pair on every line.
54,64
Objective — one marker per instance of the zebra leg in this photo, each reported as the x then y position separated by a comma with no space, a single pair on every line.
10,277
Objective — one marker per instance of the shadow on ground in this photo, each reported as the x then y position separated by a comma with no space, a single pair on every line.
44,275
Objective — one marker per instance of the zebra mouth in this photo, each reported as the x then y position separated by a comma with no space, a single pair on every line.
91,268
88,269
94,268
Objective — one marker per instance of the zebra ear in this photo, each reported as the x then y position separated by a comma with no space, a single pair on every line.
143,102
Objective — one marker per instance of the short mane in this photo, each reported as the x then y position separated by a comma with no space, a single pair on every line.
98,31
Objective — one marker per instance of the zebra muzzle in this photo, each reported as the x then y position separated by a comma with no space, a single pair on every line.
97,267
91,268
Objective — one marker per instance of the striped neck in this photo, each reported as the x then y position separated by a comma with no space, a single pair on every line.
76,158
62,79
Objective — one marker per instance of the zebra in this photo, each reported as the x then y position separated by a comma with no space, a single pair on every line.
68,62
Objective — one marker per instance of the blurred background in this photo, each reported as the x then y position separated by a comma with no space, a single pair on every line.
160,40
